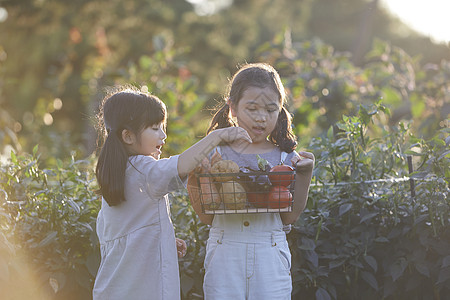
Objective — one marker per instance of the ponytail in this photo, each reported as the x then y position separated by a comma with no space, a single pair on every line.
111,166
282,135
125,108
221,119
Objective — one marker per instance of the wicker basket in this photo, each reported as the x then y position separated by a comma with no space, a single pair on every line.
237,193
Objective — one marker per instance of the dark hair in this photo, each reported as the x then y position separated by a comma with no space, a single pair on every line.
123,108
258,75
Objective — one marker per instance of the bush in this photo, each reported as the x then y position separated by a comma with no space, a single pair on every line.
48,229
373,239
188,227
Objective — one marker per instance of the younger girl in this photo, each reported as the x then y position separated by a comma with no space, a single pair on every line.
137,241
247,255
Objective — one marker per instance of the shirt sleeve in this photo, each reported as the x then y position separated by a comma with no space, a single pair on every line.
161,175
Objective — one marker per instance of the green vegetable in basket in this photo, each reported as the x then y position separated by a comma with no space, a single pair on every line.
263,164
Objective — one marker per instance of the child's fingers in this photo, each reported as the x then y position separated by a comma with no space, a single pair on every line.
295,159
181,254
306,154
180,242
197,169
231,134
181,247
205,165
215,157
304,162
243,135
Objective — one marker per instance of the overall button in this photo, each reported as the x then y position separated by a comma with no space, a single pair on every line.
246,223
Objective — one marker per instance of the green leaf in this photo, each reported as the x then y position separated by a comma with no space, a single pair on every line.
444,275
396,270
370,279
344,208
86,225
418,175
75,206
330,133
35,149
446,261
322,294
145,62
336,263
13,157
59,164
391,96
262,163
443,155
368,217
312,257
418,105
423,269
372,262
51,236
307,244
411,152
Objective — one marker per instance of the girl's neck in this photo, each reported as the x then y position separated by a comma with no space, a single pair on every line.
253,148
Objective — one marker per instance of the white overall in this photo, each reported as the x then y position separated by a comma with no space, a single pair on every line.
247,255
247,266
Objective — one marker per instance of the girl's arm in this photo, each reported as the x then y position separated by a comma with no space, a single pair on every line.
304,168
192,157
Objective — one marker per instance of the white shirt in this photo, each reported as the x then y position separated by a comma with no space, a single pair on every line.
137,240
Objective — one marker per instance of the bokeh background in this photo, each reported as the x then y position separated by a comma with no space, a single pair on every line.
368,85
57,57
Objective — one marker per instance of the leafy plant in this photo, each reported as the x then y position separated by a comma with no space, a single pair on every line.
188,227
365,236
49,215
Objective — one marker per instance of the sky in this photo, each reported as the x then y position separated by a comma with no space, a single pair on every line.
429,17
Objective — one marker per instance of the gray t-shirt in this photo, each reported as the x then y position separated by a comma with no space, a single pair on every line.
274,157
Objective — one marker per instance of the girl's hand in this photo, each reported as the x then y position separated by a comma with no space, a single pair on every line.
304,163
181,247
231,134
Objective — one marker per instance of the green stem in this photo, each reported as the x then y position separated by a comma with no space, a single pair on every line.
361,132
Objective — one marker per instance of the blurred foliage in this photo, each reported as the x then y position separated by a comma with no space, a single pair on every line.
47,218
353,25
368,234
324,84
172,82
189,228
57,56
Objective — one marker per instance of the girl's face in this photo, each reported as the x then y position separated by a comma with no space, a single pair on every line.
150,142
257,112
